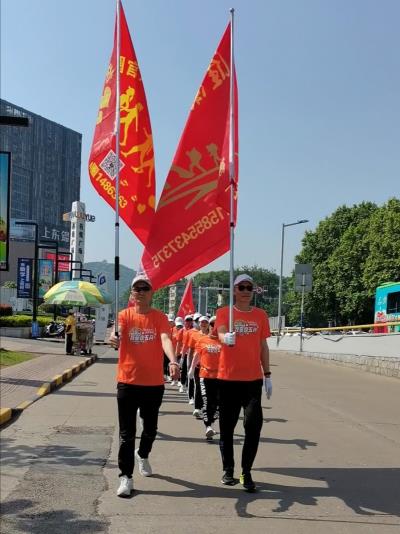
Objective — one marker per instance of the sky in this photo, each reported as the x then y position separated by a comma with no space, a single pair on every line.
319,104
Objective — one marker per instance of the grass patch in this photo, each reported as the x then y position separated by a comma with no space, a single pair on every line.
11,357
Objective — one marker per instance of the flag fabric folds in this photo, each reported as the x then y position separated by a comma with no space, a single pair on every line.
136,161
187,306
191,225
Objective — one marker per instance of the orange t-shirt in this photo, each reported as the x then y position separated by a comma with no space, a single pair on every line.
194,336
141,355
175,335
185,339
243,361
208,350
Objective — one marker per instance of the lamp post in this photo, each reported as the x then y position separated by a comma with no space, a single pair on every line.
35,329
302,221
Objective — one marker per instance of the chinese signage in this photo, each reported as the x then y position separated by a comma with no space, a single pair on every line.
24,281
45,276
5,164
63,260
46,231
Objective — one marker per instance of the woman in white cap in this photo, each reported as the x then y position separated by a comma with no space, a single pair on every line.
207,351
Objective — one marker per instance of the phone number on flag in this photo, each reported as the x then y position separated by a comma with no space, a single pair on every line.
110,189
184,238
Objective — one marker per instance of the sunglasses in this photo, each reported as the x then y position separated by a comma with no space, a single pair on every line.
242,287
139,289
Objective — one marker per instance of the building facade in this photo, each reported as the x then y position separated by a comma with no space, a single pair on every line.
45,177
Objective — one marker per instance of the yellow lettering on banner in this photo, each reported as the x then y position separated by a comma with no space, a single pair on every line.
193,231
201,93
110,72
218,71
132,69
122,60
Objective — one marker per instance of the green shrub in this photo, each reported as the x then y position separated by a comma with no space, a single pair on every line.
5,310
23,320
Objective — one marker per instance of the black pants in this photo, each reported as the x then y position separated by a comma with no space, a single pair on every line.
68,343
209,393
184,369
198,399
191,388
233,396
131,398
166,365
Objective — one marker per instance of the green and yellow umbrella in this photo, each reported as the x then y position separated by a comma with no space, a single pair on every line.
76,293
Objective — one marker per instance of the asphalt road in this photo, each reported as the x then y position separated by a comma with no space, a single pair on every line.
328,460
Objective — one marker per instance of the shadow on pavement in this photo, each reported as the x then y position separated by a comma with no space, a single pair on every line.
20,516
370,493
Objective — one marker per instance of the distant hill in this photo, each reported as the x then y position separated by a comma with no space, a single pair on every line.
126,275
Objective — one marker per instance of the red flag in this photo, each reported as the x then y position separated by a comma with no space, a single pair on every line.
137,176
187,305
191,225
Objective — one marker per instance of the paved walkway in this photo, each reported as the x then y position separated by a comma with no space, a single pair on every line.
328,461
20,383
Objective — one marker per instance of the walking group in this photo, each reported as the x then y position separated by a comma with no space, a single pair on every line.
221,372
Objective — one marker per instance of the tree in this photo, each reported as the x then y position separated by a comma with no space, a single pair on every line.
352,252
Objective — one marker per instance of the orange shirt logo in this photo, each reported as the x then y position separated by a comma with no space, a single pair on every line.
142,335
244,328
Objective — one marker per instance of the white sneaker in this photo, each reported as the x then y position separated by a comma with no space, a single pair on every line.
181,389
144,465
125,486
197,413
210,432
191,401
174,383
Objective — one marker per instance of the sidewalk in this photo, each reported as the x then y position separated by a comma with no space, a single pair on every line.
327,461
24,383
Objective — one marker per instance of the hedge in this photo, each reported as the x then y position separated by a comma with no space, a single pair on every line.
23,320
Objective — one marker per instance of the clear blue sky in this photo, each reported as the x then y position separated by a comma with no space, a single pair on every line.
319,100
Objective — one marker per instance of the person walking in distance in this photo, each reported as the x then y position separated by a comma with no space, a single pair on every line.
243,364
144,337
207,353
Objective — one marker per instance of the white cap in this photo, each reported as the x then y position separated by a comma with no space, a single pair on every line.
188,317
141,278
196,316
203,318
179,321
243,278
213,319
171,316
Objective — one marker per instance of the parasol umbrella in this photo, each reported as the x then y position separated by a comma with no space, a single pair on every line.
76,293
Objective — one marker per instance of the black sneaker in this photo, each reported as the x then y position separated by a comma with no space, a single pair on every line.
247,482
227,478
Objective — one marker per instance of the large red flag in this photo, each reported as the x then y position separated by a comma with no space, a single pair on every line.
137,176
187,306
191,225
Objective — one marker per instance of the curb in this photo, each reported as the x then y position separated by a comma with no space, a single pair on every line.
7,414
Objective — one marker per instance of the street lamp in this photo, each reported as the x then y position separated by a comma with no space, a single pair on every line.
35,329
302,221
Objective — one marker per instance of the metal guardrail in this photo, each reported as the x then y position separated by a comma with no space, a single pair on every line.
292,329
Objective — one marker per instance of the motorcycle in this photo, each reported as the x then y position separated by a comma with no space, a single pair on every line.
54,329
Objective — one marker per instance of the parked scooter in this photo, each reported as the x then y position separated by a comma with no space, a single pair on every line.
54,329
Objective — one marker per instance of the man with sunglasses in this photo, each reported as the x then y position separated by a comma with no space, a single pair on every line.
243,361
144,337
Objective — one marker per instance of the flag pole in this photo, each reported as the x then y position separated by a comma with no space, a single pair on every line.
231,176
117,128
